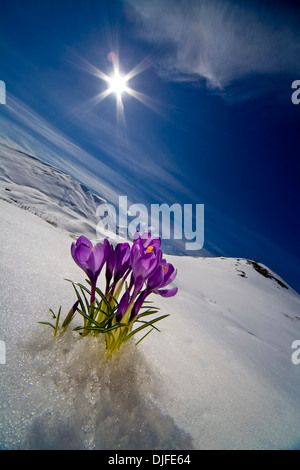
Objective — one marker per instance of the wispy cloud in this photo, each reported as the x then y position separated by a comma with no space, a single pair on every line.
112,170
23,128
219,41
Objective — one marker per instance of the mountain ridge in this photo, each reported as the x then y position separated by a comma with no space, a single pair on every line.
31,187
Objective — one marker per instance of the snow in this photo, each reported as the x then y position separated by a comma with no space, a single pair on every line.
219,375
47,192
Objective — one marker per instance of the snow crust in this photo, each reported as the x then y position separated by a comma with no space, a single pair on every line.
48,192
219,375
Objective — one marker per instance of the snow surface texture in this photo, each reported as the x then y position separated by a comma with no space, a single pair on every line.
48,192
219,375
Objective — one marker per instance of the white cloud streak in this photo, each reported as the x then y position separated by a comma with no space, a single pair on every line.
218,41
112,171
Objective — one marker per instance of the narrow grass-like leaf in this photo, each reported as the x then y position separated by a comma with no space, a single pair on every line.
146,322
84,296
87,317
57,321
147,306
99,292
144,336
96,328
52,313
112,297
140,328
114,327
148,312
46,323
77,295
108,315
89,328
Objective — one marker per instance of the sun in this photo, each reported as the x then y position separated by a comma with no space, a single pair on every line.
117,84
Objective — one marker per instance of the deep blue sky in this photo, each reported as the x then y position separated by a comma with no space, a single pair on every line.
218,126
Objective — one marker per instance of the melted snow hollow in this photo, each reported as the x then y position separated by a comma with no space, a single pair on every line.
219,375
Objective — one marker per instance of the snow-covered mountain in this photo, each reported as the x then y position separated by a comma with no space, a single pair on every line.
48,192
219,375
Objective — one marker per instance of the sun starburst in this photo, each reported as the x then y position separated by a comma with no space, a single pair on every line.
118,85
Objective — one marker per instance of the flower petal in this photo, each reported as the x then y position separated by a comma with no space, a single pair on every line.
84,241
123,305
166,292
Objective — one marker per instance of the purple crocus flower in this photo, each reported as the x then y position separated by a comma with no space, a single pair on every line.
146,240
123,305
147,267
109,267
122,261
138,304
162,276
143,263
118,265
90,258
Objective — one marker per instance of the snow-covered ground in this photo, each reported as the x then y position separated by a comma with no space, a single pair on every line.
219,375
48,192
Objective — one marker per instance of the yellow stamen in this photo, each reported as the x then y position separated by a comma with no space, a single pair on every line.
149,249
165,269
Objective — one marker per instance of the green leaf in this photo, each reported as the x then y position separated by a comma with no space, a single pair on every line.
112,297
83,288
141,321
96,328
77,295
57,321
140,328
99,292
46,323
89,328
144,336
87,317
52,313
108,315
85,299
114,327
147,306
148,312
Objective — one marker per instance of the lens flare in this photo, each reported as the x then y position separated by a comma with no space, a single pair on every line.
117,84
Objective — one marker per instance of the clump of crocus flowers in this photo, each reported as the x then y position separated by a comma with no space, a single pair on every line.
132,273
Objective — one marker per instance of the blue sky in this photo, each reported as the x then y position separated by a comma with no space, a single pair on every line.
216,124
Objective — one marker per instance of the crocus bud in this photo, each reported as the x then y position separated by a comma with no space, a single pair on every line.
123,305
70,315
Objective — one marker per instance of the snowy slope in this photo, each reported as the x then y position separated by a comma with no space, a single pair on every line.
47,191
219,375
